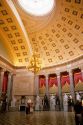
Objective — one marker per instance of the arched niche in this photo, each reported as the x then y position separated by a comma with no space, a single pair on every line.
52,83
42,84
78,79
65,82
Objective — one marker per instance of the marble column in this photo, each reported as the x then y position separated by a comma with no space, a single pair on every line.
82,73
9,89
47,91
36,84
59,90
1,80
72,92
37,99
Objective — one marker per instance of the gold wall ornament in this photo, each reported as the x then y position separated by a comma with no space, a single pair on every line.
34,64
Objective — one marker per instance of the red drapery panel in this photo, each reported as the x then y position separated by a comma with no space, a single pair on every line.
5,82
65,79
77,77
52,81
42,82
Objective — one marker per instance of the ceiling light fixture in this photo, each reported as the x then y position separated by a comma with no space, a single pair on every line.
34,64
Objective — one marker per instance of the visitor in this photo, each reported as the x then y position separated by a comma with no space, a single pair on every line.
70,103
46,103
28,104
4,103
57,103
78,113
27,108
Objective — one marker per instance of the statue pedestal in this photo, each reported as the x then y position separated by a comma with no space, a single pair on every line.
37,107
65,107
13,102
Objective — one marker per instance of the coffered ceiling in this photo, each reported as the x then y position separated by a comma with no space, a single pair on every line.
56,38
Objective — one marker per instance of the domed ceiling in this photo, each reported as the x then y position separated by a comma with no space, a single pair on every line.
56,37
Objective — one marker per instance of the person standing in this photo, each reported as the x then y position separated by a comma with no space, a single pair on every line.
46,103
4,103
78,113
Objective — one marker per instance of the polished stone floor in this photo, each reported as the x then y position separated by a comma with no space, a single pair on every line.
37,118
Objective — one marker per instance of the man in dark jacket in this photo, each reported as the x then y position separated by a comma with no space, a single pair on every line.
78,113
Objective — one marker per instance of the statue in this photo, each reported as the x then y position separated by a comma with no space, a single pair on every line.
78,97
37,106
13,102
52,102
65,102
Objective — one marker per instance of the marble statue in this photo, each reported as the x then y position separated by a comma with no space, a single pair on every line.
52,102
37,106
65,102
29,101
13,102
78,97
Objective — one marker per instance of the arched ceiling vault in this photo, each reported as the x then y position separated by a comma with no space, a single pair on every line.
13,33
57,37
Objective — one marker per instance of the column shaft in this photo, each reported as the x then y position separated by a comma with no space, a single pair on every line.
47,91
9,88
36,85
1,81
60,91
72,86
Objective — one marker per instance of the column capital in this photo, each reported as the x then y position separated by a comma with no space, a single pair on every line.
46,75
9,75
2,73
69,71
58,74
2,70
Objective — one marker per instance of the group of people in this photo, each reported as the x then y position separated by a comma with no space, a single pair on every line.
42,104
77,107
47,103
68,102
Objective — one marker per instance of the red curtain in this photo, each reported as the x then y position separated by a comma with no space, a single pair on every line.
65,79
77,77
52,81
42,82
5,82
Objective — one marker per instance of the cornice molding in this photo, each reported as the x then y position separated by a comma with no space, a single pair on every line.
3,60
56,66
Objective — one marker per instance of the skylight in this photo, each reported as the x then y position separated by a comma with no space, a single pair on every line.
37,7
